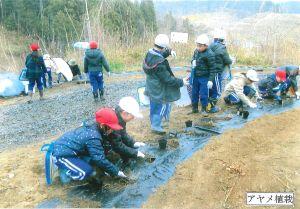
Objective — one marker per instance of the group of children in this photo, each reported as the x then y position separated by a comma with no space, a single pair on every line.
39,67
209,64
77,153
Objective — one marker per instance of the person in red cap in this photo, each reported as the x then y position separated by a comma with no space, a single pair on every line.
94,60
73,148
292,72
35,69
273,86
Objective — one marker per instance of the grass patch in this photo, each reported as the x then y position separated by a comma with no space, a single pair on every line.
117,67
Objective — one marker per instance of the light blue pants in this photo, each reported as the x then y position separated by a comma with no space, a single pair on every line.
158,111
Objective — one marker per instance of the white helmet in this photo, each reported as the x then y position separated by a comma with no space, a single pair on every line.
252,75
202,39
162,40
130,105
220,34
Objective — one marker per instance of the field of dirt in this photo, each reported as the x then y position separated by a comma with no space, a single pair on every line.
22,180
263,156
23,167
222,169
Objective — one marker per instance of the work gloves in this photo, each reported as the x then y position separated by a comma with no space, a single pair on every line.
140,154
252,105
209,84
121,174
194,63
173,53
185,81
297,95
139,144
167,52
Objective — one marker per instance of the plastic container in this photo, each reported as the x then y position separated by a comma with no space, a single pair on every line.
188,123
162,142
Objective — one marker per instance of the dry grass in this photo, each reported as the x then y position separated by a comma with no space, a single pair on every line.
256,40
13,49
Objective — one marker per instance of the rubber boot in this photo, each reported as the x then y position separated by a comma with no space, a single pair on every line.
41,92
30,94
95,96
101,92
194,109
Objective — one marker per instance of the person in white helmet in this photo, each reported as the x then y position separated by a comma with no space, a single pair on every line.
222,60
241,89
204,66
50,66
120,141
162,87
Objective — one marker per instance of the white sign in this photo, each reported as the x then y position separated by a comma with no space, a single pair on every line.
177,37
82,45
270,199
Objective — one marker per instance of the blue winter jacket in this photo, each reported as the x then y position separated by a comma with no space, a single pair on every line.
267,85
84,141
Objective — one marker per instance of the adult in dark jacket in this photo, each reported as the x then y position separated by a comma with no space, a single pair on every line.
120,141
35,69
273,86
204,73
292,71
86,141
93,62
74,68
222,60
162,86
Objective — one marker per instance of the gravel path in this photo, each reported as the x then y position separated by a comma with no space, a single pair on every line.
24,123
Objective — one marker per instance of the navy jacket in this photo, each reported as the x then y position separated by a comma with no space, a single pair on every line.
94,60
205,64
35,66
84,141
268,84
